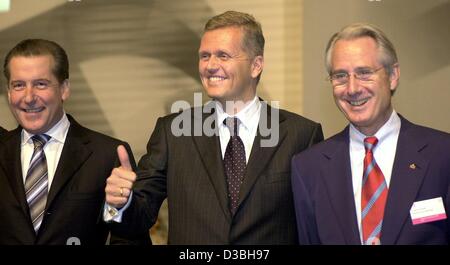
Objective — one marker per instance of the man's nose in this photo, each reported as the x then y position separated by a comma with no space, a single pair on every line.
213,64
353,86
29,94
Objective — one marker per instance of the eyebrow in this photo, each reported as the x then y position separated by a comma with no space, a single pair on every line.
41,79
34,80
216,52
359,68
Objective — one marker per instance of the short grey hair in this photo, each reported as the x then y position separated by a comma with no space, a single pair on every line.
387,54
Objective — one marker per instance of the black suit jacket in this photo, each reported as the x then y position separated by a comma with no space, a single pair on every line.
76,197
189,171
2,131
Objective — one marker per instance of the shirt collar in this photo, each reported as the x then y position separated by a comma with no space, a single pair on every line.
245,116
57,132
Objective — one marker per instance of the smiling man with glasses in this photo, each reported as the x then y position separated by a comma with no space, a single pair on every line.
383,179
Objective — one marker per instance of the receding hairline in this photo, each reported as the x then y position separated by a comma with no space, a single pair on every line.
52,62
386,50
242,35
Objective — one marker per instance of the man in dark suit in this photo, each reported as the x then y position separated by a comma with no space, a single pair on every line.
383,179
2,131
229,184
52,170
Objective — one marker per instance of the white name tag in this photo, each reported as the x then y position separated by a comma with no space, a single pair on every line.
427,211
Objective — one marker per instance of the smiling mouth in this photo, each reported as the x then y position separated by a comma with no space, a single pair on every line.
216,78
357,103
33,110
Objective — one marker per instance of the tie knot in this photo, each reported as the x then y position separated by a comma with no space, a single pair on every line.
233,125
39,140
370,143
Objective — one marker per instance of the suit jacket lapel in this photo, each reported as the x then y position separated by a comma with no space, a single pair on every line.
211,156
260,155
405,181
337,177
13,168
75,152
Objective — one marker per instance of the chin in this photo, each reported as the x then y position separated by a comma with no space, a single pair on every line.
357,119
33,128
361,123
214,94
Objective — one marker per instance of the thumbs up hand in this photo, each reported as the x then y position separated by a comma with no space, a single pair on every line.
120,182
123,157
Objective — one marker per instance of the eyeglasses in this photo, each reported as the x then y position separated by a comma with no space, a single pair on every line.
362,74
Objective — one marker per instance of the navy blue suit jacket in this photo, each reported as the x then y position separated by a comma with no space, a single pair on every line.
323,192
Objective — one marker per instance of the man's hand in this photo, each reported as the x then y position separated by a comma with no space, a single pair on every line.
119,184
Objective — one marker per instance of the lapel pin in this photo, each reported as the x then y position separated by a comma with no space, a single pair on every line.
412,166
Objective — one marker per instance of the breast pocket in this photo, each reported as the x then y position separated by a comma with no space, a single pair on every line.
85,196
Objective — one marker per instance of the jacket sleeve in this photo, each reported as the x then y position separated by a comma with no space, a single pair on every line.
304,207
149,190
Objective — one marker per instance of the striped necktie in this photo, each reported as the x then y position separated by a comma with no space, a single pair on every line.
36,182
373,196
234,162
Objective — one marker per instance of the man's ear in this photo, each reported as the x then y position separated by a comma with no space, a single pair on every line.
394,76
8,90
65,90
257,66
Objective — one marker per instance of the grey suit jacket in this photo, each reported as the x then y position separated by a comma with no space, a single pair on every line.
189,171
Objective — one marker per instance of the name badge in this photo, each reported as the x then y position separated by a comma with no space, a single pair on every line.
427,211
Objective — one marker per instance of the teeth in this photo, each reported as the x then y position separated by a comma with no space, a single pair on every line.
358,102
33,110
216,78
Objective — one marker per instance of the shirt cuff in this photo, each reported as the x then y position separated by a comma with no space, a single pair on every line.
112,214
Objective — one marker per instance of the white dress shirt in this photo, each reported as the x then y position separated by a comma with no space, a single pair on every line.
52,149
249,120
384,154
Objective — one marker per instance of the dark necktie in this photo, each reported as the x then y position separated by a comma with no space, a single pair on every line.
373,196
234,162
36,182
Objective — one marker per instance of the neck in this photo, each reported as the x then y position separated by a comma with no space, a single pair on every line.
232,107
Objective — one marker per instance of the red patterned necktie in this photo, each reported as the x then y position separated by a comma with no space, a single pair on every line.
373,196
234,162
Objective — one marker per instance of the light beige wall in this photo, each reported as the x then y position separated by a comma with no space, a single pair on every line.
120,87
419,30
130,60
